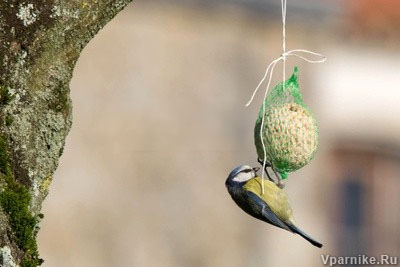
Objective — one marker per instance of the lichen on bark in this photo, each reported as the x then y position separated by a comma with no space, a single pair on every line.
40,42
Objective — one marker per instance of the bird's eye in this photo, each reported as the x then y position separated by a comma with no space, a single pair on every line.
246,170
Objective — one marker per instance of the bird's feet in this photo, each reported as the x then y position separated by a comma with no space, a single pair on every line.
280,183
267,164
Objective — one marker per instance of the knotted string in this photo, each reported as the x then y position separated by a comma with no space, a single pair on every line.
299,53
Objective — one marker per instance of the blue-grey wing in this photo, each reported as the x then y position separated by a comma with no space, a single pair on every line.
262,211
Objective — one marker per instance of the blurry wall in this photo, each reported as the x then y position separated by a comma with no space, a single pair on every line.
159,122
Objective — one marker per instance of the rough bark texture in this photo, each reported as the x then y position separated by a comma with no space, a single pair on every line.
40,42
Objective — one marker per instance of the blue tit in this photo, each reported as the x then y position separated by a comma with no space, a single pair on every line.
272,207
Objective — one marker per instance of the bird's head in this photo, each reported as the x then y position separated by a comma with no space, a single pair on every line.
241,174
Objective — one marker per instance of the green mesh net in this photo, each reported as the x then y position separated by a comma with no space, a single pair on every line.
290,131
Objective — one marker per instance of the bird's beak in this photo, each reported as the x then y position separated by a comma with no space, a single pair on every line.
256,169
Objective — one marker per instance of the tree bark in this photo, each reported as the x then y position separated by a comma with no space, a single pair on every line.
40,42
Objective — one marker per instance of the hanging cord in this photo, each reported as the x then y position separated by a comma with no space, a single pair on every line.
283,4
299,53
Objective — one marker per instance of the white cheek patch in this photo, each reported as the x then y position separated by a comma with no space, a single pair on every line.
243,177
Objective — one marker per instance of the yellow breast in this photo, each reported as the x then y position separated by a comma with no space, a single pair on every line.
275,197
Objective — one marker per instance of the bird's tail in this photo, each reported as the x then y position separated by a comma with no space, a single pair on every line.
304,235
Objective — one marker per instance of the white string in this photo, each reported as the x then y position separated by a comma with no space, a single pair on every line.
270,69
293,53
273,64
283,3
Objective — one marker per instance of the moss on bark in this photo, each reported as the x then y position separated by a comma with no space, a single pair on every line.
15,200
40,42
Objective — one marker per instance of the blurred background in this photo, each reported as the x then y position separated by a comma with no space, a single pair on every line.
159,122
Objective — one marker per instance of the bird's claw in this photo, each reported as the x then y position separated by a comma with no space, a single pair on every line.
267,164
280,183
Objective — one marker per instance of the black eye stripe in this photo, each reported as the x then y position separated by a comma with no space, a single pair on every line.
246,171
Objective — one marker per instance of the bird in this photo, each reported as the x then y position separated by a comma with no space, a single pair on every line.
272,207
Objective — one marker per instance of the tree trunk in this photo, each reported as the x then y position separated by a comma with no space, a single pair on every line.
40,42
